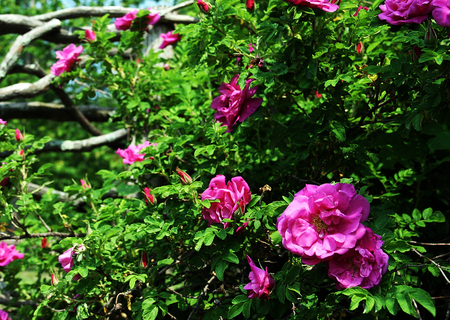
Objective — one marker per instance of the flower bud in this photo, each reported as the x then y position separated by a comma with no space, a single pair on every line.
54,280
184,177
144,260
84,184
90,35
250,4
360,48
19,135
204,6
149,199
430,35
44,243
415,53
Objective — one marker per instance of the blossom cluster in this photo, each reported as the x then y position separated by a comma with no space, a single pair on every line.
323,223
398,12
132,153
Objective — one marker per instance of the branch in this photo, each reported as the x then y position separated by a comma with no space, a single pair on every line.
4,300
26,90
4,236
51,111
76,145
203,293
17,47
428,244
433,262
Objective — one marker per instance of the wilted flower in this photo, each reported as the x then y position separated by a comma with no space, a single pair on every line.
132,153
3,122
19,135
229,195
234,104
261,282
398,12
322,221
169,38
67,59
184,177
149,199
319,4
8,254
4,315
204,6
361,266
89,35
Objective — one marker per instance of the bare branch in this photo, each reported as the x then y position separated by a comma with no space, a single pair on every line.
51,111
16,49
4,236
4,300
26,90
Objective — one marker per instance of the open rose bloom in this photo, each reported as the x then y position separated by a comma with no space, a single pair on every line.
233,194
316,4
8,254
169,38
67,58
322,221
398,12
234,104
132,153
66,260
261,282
362,266
4,315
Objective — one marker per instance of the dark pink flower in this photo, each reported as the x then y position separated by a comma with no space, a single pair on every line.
241,229
54,280
19,135
4,315
322,221
184,177
149,199
359,8
235,104
250,47
3,122
84,184
144,260
359,47
230,196
441,12
318,95
89,35
204,6
250,4
261,282
67,59
66,260
8,254
398,12
361,266
132,153
319,4
166,67
169,38
44,243
126,21
153,18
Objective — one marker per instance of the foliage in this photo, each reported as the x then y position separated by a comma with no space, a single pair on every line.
377,119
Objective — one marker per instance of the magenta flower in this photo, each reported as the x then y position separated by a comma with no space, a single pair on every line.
203,6
261,282
441,12
240,230
132,153
67,59
19,135
398,12
4,315
126,21
316,4
322,221
359,9
8,254
89,35
230,196
84,184
250,47
66,260
234,104
169,38
361,266
3,122
250,4
149,199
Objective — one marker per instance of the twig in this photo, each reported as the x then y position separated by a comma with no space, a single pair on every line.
205,290
428,244
89,87
417,309
43,222
447,314
433,262
22,41
4,236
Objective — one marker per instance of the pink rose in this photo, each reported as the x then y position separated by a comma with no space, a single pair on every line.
319,4
4,315
250,47
230,195
361,266
441,12
169,38
66,260
261,282
203,6
125,22
398,12
8,254
89,35
67,59
19,135
131,154
234,104
322,221
3,122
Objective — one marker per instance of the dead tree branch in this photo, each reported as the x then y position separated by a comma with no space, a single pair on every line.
22,41
4,236
26,90
51,111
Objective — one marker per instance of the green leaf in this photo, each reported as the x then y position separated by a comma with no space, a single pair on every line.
220,268
338,130
82,311
209,238
423,298
235,310
240,298
405,302
392,305
230,257
149,312
246,310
